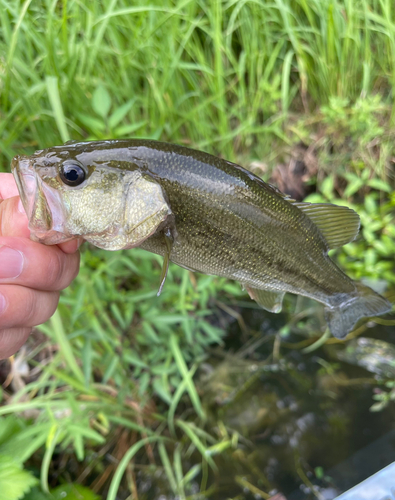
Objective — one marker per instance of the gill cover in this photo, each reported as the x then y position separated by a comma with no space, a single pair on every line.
142,210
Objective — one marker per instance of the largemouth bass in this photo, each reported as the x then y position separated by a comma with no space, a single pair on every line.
203,213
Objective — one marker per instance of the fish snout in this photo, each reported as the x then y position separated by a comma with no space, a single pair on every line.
25,179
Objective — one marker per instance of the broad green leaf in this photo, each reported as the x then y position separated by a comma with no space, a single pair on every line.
36,494
120,113
327,187
353,186
14,481
380,185
315,198
370,204
9,426
129,129
21,441
101,101
93,124
73,492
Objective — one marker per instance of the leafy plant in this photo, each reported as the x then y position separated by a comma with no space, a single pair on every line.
15,481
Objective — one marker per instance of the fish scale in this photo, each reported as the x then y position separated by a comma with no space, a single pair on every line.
201,212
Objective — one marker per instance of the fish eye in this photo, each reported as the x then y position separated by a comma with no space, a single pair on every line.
72,174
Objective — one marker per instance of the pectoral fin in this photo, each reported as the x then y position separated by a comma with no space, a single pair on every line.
166,259
271,301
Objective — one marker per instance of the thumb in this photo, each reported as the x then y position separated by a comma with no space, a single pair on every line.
13,220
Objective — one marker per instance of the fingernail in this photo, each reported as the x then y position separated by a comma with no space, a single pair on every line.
11,263
3,303
20,207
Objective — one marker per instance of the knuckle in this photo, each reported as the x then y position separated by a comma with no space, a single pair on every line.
62,269
55,270
11,339
29,307
40,306
52,304
6,339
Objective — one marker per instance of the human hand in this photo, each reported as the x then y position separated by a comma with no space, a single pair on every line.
31,274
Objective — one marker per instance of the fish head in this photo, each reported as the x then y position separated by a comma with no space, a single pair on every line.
68,193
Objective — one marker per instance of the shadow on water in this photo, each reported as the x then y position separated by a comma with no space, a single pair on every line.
303,420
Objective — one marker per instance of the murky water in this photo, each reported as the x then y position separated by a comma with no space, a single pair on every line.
303,419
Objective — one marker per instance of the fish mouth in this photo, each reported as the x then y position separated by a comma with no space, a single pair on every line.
42,204
25,179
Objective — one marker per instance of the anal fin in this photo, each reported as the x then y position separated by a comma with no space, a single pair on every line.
269,300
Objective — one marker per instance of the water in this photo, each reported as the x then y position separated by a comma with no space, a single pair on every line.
303,419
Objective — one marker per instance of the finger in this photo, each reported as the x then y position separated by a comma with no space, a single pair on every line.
11,340
71,246
13,220
8,187
25,307
25,262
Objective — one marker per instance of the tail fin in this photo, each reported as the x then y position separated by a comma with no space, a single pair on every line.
364,303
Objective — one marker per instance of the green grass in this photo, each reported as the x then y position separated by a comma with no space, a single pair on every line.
247,80
221,76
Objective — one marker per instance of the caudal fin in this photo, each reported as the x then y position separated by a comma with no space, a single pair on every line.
364,303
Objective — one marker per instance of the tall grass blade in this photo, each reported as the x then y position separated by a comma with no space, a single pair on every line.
56,104
116,480
52,441
167,466
183,369
66,350
188,430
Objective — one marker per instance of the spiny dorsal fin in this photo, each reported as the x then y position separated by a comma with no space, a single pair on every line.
271,301
286,197
338,225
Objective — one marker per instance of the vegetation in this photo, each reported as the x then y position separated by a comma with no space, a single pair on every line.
106,394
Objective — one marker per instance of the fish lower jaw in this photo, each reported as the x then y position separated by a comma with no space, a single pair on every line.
52,238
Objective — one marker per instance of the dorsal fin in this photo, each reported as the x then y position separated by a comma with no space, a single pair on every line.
286,196
339,225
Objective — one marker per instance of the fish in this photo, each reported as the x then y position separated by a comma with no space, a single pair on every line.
199,211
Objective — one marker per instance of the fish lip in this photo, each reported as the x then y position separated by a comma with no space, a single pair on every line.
30,186
25,179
